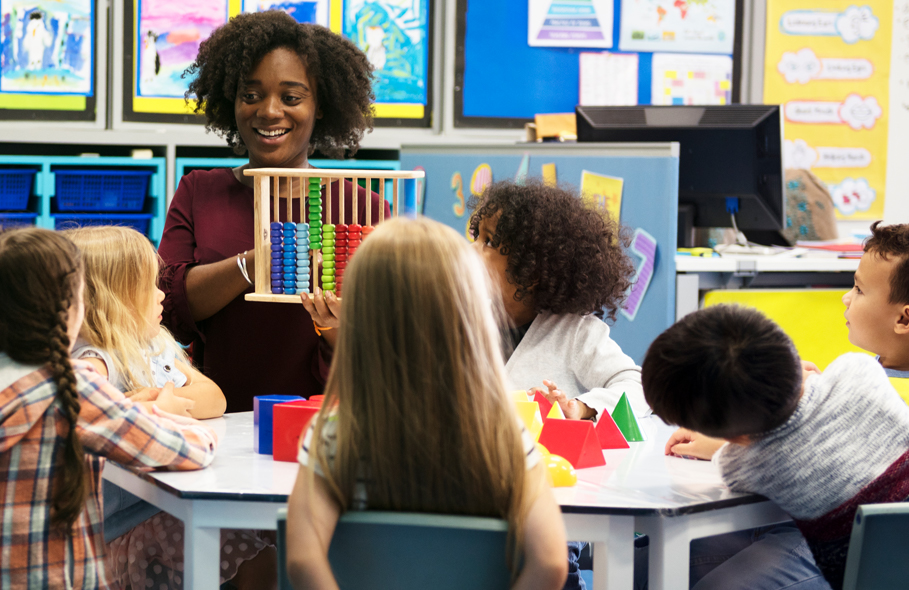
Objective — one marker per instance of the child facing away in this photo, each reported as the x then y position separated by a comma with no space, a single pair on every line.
795,435
877,307
59,419
123,339
417,397
559,264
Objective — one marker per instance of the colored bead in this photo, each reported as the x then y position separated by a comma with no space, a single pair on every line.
275,225
315,215
292,255
301,266
290,276
354,227
327,272
328,286
276,283
340,227
328,264
339,258
328,240
315,245
290,267
289,240
289,225
276,240
327,250
302,227
329,227
275,233
277,254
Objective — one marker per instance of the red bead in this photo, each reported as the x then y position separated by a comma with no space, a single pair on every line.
340,249
340,227
341,258
353,227
353,236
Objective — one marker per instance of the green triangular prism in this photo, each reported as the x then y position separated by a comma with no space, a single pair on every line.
625,420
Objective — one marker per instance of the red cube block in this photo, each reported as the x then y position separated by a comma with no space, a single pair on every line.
290,421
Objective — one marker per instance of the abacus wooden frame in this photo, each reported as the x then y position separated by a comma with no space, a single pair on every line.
262,185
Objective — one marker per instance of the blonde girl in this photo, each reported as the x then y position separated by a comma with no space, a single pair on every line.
123,339
416,396
59,419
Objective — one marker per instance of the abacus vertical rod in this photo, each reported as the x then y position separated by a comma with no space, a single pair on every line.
381,200
394,197
328,200
369,201
262,223
277,203
341,200
354,200
290,202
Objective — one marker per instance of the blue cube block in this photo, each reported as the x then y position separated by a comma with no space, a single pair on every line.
262,420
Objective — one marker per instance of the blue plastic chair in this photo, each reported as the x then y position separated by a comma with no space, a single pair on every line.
878,556
393,550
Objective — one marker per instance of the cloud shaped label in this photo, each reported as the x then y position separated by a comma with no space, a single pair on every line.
852,195
804,66
855,111
852,25
798,154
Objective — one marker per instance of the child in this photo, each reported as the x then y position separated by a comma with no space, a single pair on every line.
877,307
559,264
796,436
58,420
418,398
123,338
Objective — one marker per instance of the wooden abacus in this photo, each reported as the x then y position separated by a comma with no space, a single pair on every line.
292,248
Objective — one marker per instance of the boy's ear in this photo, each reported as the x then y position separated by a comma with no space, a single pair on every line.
902,322
743,440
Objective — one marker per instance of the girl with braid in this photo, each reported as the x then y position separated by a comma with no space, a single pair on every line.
59,419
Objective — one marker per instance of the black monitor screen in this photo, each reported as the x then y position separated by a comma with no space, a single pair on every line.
726,151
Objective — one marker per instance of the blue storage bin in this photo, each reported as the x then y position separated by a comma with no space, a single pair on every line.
15,188
101,190
137,221
8,220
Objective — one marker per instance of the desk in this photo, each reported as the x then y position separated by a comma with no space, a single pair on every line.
639,489
695,274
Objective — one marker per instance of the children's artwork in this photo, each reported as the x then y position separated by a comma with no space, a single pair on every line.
686,26
828,64
481,178
570,23
691,79
47,47
304,11
603,192
394,35
168,38
608,79
644,246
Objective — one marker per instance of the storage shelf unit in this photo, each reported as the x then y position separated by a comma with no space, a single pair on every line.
41,202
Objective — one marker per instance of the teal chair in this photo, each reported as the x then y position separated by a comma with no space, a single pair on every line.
878,556
394,550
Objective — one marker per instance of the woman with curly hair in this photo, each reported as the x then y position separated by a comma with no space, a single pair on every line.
277,90
560,267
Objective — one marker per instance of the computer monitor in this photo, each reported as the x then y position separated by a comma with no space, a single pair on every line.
726,151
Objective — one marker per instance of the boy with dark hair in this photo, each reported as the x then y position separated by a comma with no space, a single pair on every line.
877,307
798,437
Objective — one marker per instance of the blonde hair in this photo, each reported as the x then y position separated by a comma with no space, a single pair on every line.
121,273
417,383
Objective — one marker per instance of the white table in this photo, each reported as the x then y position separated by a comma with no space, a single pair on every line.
639,489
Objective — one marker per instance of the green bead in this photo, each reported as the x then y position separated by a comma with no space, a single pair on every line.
329,227
315,245
328,272
328,286
328,250
328,264
329,241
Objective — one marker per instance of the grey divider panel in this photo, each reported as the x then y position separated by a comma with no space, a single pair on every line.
649,202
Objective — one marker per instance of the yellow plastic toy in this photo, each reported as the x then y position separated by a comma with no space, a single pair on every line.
561,472
555,412
530,414
543,450
901,386
519,396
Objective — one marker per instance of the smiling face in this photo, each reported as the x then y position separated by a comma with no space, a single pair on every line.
872,319
276,111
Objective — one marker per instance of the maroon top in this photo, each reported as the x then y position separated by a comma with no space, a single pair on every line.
247,348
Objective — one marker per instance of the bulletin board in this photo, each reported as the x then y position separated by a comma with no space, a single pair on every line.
501,81
48,67
161,39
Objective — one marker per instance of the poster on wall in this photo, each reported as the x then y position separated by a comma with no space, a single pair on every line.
394,34
691,79
570,23
828,64
47,47
686,26
304,11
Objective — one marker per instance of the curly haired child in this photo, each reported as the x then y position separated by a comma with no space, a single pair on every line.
59,419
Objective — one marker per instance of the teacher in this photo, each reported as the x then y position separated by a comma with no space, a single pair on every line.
278,90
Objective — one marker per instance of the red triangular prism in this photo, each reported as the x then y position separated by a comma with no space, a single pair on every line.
545,406
575,440
608,433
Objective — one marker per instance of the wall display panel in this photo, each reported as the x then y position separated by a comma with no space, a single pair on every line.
162,39
47,59
503,81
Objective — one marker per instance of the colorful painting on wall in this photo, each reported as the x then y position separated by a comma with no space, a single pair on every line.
304,11
47,47
394,35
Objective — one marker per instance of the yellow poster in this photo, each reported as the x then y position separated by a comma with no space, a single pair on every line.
828,64
604,192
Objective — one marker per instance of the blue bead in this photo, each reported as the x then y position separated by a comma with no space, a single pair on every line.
289,276
276,233
277,283
301,226
302,263
277,276
276,240
275,225
289,225
290,255
289,268
277,254
303,278
291,241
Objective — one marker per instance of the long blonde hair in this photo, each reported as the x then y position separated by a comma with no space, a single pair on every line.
121,271
417,383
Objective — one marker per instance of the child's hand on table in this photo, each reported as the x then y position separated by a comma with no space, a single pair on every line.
143,394
184,420
690,444
572,408
172,403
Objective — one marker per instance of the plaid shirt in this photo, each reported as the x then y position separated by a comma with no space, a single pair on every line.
33,431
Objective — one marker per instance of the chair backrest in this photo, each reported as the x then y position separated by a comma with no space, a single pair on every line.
391,550
878,556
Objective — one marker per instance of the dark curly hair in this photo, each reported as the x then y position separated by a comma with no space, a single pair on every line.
892,242
565,256
342,74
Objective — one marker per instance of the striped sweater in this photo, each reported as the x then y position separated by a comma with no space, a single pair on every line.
846,444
